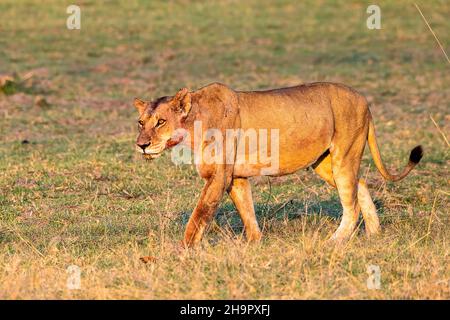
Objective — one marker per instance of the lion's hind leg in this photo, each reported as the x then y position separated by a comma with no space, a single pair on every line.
368,209
324,169
345,177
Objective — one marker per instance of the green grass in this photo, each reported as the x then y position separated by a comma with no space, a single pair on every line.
77,193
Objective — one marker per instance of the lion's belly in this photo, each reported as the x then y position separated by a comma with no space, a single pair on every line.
294,154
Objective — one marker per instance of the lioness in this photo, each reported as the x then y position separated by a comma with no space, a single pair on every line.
320,125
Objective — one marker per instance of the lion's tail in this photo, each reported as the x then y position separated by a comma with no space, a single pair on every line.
414,157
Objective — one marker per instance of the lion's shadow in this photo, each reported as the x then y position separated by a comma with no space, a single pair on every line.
228,216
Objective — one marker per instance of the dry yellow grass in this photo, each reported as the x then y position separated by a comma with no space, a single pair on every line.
295,264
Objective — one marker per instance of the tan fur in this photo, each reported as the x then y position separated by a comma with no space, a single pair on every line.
323,125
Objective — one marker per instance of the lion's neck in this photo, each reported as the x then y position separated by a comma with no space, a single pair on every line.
189,123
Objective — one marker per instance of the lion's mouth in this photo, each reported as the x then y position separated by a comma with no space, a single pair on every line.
150,154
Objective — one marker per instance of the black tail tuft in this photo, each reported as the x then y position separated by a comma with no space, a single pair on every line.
416,155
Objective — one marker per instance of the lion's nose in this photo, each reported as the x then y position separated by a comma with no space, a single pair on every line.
144,145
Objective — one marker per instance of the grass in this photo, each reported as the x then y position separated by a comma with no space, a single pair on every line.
73,191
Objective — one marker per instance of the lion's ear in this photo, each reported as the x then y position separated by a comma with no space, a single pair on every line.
182,101
140,105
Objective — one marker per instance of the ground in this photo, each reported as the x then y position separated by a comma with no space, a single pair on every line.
74,192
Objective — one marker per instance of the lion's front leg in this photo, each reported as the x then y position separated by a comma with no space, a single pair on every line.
206,206
241,194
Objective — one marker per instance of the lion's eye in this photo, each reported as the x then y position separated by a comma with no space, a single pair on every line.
161,122
141,123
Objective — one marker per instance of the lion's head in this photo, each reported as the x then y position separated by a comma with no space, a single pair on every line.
159,122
